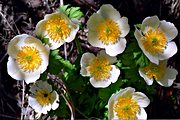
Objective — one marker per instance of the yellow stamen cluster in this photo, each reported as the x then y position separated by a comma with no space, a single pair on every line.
100,68
28,58
43,97
126,108
154,71
154,41
108,32
58,29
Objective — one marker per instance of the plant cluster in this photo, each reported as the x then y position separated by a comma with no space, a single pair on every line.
101,85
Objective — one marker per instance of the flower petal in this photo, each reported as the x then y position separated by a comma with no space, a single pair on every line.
152,58
54,45
108,11
85,61
116,48
124,26
150,22
94,22
46,108
45,59
170,50
13,69
142,115
34,104
111,59
147,80
115,72
31,77
169,77
141,98
169,29
40,29
138,35
15,44
127,92
43,85
100,83
111,107
55,104
56,15
93,39
72,35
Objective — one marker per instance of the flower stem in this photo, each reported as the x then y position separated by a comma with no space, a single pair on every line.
78,45
22,103
70,106
81,113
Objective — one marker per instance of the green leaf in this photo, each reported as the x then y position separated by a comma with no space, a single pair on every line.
63,8
63,110
43,76
136,54
45,40
57,63
142,60
74,9
54,53
138,26
105,93
77,15
71,12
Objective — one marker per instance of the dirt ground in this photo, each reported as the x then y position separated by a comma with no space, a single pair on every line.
21,16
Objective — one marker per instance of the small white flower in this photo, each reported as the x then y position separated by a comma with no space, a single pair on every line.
43,98
100,69
127,105
155,39
58,28
28,58
164,75
107,29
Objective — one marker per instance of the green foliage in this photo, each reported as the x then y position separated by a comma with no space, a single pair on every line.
71,12
105,93
138,26
57,63
141,59
43,76
63,110
45,40
90,101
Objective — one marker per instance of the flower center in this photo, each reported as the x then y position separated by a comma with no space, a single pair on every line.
28,58
43,97
58,29
154,71
108,32
99,68
126,108
154,41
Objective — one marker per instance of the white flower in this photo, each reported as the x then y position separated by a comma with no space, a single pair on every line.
43,98
164,75
100,69
58,28
155,39
127,105
107,29
28,58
